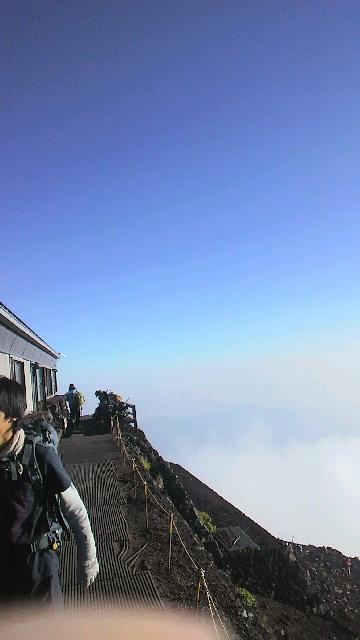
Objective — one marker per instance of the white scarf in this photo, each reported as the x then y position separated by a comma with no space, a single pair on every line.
14,446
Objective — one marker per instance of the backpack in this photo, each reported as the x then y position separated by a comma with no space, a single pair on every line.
79,398
39,432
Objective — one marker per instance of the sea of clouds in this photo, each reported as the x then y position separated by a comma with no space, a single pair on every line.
278,436
291,464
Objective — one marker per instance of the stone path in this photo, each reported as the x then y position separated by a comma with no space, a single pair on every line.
93,463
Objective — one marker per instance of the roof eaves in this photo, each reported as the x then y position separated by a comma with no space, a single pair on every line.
15,323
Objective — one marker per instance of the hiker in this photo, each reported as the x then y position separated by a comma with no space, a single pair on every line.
59,412
75,400
37,497
102,396
121,408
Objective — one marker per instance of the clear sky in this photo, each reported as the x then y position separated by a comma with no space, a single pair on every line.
180,216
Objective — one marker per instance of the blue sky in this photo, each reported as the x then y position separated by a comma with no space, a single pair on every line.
180,195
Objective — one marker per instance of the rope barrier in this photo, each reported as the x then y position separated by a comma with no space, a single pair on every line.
212,614
172,527
214,606
139,474
185,549
126,453
159,504
136,469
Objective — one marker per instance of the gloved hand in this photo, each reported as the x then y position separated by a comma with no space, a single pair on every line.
87,572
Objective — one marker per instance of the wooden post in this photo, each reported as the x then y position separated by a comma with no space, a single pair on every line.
171,524
134,416
146,506
134,476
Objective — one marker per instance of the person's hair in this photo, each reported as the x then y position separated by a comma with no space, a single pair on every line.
72,386
38,416
12,398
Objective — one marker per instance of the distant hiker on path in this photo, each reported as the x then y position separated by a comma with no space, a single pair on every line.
75,400
37,500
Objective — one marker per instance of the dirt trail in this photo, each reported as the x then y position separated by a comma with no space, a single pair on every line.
93,463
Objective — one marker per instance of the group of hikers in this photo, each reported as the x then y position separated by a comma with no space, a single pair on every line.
110,404
38,504
113,405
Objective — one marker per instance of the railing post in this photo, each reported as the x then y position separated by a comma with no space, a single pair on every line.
134,476
198,592
146,506
134,416
171,526
124,456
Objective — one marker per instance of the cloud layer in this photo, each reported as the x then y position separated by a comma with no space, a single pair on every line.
279,436
309,491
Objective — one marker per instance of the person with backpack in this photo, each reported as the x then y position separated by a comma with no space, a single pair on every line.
75,400
37,500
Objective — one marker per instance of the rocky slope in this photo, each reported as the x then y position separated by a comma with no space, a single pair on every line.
317,581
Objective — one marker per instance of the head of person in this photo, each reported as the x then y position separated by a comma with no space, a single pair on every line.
12,404
71,387
39,416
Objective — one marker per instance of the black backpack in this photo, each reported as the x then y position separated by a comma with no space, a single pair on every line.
39,432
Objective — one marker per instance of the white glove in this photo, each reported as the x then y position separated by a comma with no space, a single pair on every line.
87,572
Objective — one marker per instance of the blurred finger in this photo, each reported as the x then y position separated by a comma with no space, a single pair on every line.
122,626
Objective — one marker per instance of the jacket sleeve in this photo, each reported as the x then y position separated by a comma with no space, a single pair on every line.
75,513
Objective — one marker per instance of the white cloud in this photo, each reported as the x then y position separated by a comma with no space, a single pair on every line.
310,491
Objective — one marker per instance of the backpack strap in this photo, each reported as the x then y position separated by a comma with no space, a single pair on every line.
30,462
52,507
27,453
13,470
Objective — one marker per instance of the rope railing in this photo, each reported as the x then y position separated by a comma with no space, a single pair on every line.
202,583
212,613
185,548
214,605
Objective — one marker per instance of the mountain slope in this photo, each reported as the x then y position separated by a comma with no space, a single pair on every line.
223,513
